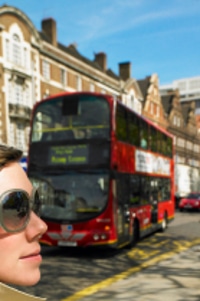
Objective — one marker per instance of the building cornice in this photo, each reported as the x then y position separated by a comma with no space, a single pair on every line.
80,70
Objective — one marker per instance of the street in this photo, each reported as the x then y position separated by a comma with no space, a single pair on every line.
149,269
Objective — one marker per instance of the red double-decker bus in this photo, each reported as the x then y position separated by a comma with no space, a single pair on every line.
106,174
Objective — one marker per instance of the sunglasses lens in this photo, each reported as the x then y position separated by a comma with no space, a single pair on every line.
15,210
37,204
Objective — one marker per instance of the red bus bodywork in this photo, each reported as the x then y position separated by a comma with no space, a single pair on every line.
122,221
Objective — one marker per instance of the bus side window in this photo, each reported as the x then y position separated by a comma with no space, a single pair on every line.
145,190
144,133
169,147
133,128
135,190
121,123
143,141
166,189
123,188
159,142
152,139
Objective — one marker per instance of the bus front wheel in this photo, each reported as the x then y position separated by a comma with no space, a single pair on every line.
164,223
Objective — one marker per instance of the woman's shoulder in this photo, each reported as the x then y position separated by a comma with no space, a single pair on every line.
8,293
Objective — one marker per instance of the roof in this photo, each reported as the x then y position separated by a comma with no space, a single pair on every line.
186,109
167,102
144,84
72,50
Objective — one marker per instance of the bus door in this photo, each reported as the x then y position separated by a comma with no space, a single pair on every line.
123,208
145,208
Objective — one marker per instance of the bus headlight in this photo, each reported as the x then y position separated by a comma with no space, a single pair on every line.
96,237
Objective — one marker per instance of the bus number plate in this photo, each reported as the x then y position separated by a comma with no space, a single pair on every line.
64,243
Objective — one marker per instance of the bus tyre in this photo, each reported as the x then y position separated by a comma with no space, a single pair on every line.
164,223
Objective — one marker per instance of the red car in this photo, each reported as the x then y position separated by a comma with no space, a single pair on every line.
191,201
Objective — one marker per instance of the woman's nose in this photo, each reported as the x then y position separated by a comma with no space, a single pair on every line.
36,227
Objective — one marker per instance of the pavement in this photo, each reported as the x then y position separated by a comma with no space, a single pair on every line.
174,279
162,267
170,276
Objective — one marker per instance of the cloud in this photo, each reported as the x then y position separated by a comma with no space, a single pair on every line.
125,16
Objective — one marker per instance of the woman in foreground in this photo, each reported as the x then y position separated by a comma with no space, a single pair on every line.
20,228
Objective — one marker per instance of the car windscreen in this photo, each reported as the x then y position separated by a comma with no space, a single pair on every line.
193,196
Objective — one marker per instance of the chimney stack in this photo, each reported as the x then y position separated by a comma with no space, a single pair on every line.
101,59
125,70
49,28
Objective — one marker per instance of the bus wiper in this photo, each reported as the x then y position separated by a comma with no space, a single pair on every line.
87,210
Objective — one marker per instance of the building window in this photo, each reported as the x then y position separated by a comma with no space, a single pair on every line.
16,50
196,148
78,83
10,90
157,111
92,89
25,58
11,134
182,85
174,120
18,93
46,69
20,136
189,145
7,50
178,121
151,108
175,140
194,84
180,142
63,77
27,96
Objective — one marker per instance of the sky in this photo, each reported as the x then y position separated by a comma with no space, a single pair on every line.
155,36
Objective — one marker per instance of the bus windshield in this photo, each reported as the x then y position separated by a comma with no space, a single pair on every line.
72,196
71,117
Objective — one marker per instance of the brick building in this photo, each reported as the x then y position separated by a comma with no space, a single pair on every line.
152,104
182,124
167,110
34,65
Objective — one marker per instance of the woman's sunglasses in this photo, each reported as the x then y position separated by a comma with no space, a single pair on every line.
15,208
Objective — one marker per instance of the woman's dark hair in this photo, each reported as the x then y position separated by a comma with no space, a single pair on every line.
9,154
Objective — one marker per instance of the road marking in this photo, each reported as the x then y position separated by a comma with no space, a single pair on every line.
141,254
184,245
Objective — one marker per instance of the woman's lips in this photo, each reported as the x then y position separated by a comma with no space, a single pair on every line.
32,256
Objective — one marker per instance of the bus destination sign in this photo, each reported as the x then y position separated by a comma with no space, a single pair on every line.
68,155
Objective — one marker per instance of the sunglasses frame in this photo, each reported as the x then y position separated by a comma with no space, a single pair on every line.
31,200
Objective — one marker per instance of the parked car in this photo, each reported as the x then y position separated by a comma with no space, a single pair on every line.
191,201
